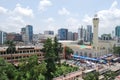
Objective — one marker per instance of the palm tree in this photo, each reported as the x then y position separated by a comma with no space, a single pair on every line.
11,48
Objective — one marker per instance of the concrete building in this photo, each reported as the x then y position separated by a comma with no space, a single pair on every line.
14,37
27,34
75,36
70,36
89,33
80,33
38,38
98,48
3,36
117,31
62,34
48,32
106,37
23,52
95,31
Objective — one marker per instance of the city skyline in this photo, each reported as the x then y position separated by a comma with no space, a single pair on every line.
53,15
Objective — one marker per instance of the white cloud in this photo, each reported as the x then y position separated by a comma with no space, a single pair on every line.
50,20
15,18
63,11
25,12
109,19
13,24
72,23
44,4
2,10
114,4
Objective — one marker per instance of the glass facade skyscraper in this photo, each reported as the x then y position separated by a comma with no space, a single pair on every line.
62,34
117,31
29,32
89,33
3,36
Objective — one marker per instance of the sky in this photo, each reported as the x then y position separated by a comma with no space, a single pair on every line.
55,14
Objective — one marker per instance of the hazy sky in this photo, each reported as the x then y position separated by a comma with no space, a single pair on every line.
55,14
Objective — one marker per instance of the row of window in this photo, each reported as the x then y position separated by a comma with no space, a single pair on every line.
20,51
21,56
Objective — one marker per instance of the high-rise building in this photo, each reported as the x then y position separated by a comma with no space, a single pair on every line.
62,34
84,35
2,37
117,31
70,36
80,33
89,33
27,33
49,32
75,36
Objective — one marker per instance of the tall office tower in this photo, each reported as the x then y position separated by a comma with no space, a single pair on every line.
75,36
84,35
2,37
62,34
24,35
117,31
80,33
27,33
89,33
49,32
95,30
70,36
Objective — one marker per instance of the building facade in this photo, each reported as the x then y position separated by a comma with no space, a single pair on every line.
70,36
80,33
106,37
49,32
27,33
117,31
95,30
3,36
75,36
89,33
62,34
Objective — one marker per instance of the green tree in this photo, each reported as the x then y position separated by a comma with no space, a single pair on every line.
116,50
109,75
92,76
31,69
80,42
57,47
7,70
49,59
11,48
68,52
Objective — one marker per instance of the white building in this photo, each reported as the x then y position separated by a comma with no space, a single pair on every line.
98,48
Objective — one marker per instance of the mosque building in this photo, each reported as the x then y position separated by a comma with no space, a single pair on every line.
97,49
